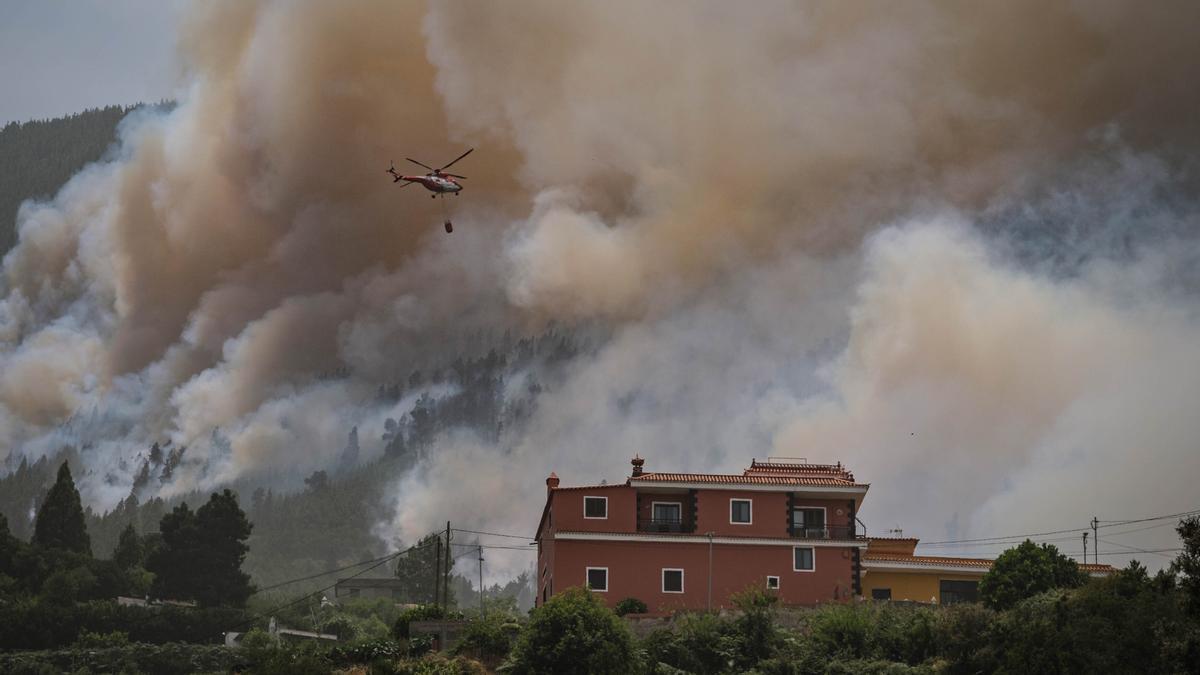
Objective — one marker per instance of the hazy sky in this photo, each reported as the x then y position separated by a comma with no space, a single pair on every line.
61,56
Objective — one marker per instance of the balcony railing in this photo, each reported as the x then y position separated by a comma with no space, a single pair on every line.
824,532
661,525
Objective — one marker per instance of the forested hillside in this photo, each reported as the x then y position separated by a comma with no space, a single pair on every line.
330,521
37,157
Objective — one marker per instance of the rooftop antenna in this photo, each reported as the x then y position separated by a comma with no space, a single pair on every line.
896,531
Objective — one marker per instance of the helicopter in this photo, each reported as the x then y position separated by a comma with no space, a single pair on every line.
436,181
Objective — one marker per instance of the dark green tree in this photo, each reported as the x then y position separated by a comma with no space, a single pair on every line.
574,632
9,545
1187,564
224,530
59,523
200,554
416,569
129,552
1025,571
173,559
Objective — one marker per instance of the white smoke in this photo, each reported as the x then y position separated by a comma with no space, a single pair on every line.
946,246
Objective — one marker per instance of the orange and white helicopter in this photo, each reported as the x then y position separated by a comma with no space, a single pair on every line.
436,181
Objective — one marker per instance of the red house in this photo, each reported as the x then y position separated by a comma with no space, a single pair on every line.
690,541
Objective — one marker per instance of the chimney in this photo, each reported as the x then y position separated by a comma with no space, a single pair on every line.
637,465
551,482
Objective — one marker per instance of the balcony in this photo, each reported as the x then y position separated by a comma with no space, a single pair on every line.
824,532
662,525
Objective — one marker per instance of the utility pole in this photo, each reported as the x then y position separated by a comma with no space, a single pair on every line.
1085,534
446,576
437,571
1096,538
481,610
710,570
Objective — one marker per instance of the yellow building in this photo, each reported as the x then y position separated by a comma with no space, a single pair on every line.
892,571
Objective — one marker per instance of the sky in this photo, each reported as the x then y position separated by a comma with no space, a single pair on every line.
59,57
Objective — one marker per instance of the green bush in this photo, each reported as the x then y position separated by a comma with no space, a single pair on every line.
344,627
695,643
90,640
268,655
30,624
420,613
166,659
489,639
368,652
962,638
437,664
574,632
1026,570
630,606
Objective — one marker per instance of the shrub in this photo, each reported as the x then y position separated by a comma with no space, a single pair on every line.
755,627
1026,570
344,627
695,643
574,632
90,640
31,624
420,613
270,656
167,659
630,606
489,639
437,664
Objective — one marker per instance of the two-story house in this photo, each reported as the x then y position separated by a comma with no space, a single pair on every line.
690,541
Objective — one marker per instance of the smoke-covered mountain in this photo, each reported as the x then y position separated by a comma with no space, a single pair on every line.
953,247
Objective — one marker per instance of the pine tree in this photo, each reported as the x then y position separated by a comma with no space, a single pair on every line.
173,560
59,521
129,552
224,530
416,570
201,553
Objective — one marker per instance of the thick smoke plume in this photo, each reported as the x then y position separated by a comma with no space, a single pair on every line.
846,231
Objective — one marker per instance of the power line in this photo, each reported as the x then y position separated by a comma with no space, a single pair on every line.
1183,514
1077,530
498,534
302,598
1020,537
320,574
1134,549
1153,550
511,548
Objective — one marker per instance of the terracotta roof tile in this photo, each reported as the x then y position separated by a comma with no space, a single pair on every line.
940,561
590,487
928,560
770,468
744,479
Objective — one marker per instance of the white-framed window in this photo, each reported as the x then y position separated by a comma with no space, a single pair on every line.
672,580
810,522
595,508
741,512
772,583
597,579
665,512
804,559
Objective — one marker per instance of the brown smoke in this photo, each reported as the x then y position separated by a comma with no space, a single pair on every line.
695,136
700,175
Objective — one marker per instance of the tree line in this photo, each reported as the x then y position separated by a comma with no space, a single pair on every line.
41,155
194,556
